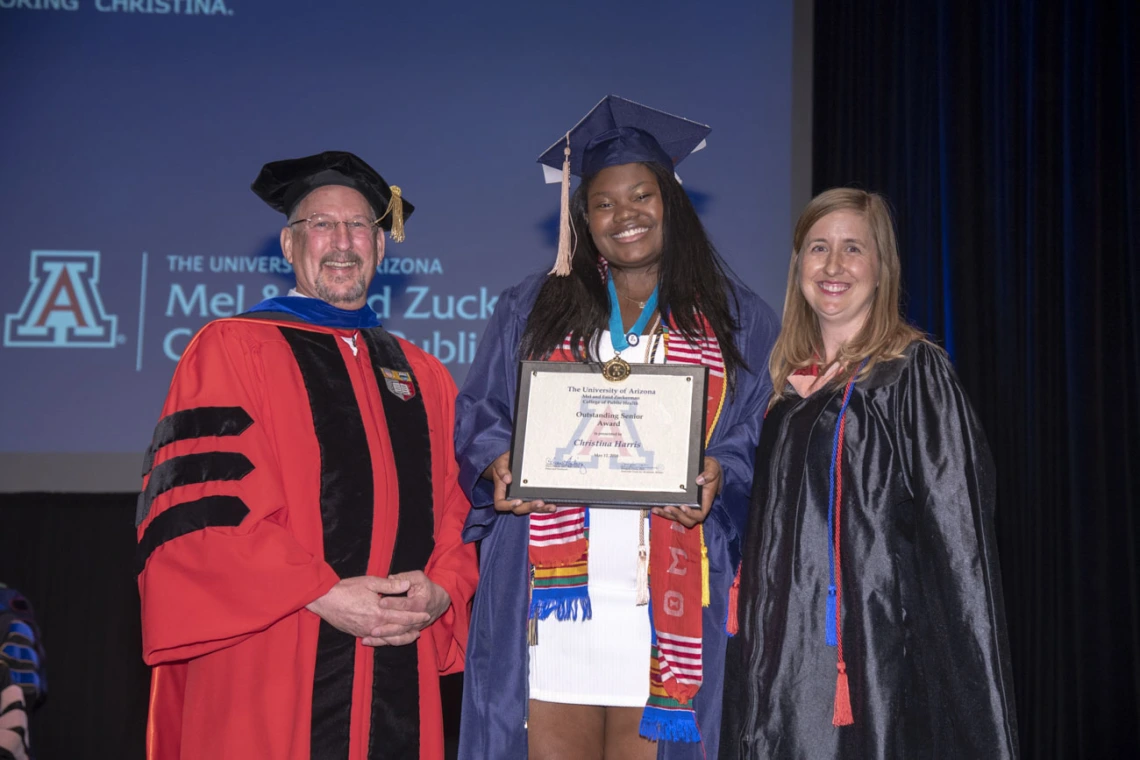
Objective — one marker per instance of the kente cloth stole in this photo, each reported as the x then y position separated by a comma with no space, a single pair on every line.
678,580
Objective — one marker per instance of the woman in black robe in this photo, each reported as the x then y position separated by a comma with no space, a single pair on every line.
871,620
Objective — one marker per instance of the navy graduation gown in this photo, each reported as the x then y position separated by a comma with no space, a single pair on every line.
495,680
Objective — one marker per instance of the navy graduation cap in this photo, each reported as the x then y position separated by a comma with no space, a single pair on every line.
616,131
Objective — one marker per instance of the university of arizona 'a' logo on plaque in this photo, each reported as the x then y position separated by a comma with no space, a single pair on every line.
62,308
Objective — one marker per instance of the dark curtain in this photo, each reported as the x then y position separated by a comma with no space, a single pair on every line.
1007,137
72,556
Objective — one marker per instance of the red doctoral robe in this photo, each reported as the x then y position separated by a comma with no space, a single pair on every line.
273,473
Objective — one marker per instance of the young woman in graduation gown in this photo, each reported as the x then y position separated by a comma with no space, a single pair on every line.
871,621
596,677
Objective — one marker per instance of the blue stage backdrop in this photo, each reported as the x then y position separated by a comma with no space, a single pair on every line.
134,128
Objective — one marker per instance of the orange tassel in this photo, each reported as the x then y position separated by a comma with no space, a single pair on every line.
842,715
732,625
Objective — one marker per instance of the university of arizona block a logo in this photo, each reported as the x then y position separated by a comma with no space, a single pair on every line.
62,308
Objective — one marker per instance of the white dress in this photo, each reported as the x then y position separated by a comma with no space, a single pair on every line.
603,660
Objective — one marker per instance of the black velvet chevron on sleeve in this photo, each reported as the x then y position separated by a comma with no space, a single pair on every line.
208,512
200,422
188,469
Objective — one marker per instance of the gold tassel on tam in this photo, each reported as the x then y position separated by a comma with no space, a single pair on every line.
396,209
562,263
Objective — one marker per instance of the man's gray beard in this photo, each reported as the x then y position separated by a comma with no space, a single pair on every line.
335,298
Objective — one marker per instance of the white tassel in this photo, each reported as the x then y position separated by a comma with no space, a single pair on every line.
642,576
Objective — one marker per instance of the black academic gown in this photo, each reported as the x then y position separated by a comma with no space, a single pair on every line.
923,620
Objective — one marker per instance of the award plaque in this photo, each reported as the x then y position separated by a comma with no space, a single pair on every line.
583,438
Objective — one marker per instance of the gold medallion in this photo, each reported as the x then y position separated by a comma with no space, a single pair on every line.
616,369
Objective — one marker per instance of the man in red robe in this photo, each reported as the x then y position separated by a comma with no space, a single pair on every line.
302,575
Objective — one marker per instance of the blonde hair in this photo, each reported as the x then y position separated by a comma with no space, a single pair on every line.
883,336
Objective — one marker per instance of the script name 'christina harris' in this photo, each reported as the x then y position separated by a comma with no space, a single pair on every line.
608,444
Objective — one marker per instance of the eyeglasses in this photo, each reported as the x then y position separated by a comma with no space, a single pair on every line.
322,225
